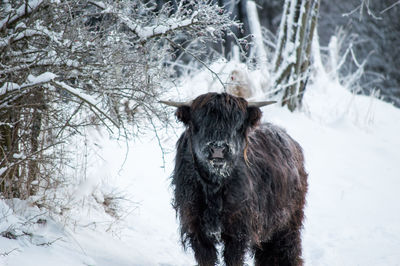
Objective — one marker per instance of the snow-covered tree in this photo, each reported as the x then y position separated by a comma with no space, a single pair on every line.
67,65
293,51
371,29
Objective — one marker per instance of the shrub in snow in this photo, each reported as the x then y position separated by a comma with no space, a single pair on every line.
66,66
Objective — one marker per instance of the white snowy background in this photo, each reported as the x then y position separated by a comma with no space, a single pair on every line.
352,150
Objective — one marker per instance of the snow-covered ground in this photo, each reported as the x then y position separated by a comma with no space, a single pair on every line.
352,149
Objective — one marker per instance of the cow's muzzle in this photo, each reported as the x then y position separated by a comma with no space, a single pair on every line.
218,153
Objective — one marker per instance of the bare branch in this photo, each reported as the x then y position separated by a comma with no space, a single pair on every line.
9,252
24,10
390,7
49,243
83,97
197,59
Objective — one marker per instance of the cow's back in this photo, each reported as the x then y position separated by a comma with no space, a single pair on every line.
276,166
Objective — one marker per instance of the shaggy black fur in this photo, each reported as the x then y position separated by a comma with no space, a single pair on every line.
255,201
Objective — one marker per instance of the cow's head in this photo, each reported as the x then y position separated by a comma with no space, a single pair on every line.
218,125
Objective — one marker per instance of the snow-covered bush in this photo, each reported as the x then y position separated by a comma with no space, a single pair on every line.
69,65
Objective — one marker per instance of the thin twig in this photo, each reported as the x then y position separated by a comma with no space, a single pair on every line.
351,12
126,154
198,59
32,154
70,90
159,141
8,252
32,218
68,120
390,7
49,243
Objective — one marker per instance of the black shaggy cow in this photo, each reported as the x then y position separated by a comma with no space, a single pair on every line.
238,183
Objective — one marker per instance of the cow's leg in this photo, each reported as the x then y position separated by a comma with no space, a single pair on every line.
284,249
234,251
204,250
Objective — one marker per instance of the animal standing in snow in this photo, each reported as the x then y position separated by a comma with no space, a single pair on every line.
237,183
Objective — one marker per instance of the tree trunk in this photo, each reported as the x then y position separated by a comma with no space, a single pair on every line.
9,137
292,56
255,28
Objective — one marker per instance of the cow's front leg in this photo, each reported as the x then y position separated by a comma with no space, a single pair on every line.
234,250
204,249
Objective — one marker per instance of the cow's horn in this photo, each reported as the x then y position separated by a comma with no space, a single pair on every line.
260,104
176,104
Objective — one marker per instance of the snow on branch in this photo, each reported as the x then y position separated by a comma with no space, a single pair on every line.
360,8
49,77
206,15
390,7
108,58
22,159
27,8
18,36
84,97
171,25
34,82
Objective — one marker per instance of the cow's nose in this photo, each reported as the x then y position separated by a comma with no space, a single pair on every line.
218,150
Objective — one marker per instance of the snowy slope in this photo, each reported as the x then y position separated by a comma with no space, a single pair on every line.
351,144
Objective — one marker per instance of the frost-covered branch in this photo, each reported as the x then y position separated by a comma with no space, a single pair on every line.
360,9
37,82
85,98
19,36
198,60
8,252
107,64
13,16
9,166
193,15
390,7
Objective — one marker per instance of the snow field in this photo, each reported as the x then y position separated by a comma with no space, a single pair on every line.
351,146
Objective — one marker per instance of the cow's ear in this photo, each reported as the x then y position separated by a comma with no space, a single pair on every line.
183,114
253,116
